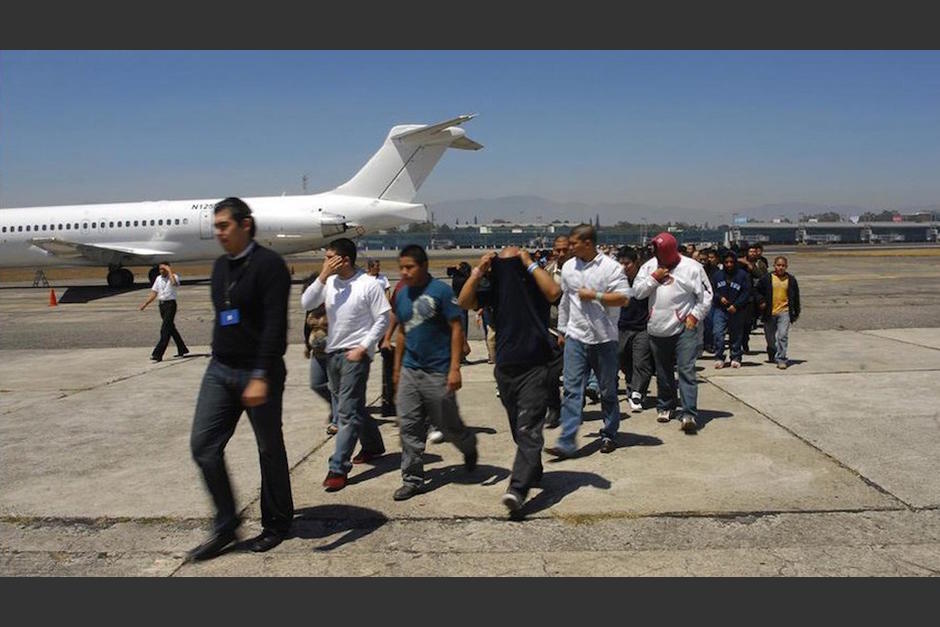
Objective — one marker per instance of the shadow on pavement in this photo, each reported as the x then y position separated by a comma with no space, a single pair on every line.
389,462
323,521
486,430
558,484
483,474
705,416
84,294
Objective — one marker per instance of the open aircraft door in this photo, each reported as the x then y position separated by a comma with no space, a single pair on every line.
205,223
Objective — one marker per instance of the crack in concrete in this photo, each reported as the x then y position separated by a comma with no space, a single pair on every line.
739,516
894,339
838,462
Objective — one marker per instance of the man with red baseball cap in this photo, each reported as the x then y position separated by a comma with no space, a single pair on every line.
680,295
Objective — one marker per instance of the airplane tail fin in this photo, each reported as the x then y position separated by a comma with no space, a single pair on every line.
406,158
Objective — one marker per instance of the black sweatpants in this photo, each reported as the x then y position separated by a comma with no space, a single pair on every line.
524,393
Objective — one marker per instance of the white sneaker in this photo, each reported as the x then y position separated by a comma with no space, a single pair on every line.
735,363
663,415
719,365
435,436
636,402
512,502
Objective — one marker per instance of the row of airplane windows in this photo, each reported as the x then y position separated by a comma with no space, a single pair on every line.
94,225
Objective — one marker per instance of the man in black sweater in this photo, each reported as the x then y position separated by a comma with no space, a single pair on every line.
250,290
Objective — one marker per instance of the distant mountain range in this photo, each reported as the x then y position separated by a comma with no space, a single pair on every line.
538,209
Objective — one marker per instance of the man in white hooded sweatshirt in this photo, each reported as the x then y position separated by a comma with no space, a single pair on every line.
680,295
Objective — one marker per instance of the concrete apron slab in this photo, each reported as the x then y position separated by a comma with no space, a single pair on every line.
885,426
922,337
838,351
121,449
739,462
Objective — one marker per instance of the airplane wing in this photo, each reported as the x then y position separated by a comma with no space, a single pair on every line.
104,254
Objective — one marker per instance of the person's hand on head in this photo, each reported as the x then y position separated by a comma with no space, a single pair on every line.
485,261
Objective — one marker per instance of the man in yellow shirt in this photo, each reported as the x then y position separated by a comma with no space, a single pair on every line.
778,296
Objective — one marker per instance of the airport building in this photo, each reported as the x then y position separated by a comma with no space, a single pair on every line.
834,232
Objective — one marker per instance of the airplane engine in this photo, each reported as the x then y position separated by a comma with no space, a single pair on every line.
332,224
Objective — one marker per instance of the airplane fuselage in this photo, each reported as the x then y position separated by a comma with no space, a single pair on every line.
182,229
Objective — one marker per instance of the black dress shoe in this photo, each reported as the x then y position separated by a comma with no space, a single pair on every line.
559,452
211,547
470,460
266,541
182,353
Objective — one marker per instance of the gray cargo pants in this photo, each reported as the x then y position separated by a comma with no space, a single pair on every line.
423,396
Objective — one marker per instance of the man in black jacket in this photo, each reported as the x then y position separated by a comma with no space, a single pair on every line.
250,290
779,304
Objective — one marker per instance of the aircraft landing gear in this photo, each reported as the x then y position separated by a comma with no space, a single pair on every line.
120,277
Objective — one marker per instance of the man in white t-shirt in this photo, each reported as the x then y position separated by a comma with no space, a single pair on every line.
164,290
357,312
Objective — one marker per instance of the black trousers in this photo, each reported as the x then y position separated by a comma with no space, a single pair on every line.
217,412
524,393
168,330
555,367
388,385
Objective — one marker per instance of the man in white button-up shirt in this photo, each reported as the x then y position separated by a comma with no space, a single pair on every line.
594,289
164,290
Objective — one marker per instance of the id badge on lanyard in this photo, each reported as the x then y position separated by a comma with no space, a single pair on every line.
230,316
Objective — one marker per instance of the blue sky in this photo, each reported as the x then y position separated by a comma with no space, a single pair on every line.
696,129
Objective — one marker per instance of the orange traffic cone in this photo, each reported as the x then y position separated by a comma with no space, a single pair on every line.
52,301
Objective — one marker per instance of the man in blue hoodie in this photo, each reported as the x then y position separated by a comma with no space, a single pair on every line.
732,293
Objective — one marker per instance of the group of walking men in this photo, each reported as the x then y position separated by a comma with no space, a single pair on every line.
610,316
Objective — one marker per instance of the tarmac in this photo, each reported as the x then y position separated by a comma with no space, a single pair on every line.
827,468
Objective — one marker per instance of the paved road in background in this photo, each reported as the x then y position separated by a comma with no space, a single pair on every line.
838,292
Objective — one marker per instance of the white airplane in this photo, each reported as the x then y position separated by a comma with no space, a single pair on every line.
379,196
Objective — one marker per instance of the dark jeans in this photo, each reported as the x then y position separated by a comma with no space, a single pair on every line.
423,398
636,359
168,330
524,393
709,325
217,412
735,323
677,352
555,368
748,318
348,381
